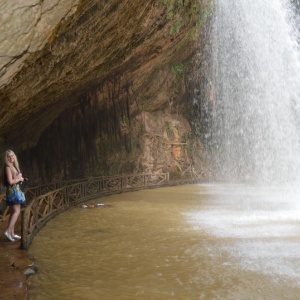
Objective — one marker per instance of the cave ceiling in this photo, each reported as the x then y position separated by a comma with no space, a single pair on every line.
54,51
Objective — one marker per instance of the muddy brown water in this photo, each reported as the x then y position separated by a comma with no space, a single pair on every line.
186,242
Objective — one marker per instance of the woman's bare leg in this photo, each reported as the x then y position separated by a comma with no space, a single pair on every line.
13,217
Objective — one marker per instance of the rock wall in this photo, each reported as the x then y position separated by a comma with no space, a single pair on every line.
26,26
108,91
108,134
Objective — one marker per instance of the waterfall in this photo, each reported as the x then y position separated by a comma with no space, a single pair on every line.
257,91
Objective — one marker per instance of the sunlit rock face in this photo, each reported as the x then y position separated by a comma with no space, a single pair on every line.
26,26
125,57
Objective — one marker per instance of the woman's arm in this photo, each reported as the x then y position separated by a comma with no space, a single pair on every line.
10,178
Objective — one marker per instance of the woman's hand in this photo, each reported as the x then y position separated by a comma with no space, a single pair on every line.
20,177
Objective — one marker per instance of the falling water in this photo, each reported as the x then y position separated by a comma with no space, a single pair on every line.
257,81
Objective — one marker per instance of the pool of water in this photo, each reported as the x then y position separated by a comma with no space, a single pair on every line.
185,242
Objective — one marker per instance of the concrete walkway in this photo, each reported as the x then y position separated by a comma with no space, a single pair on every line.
13,264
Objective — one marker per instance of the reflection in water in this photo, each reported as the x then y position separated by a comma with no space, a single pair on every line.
188,242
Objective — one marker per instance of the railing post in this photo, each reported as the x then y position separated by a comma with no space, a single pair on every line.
100,180
24,229
66,196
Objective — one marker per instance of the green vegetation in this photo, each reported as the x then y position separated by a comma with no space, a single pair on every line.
169,128
176,27
187,12
178,70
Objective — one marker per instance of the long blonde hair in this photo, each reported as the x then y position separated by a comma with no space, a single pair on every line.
13,166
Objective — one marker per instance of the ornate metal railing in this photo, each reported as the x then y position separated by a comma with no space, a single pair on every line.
43,207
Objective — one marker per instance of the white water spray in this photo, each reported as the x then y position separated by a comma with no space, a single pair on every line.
257,80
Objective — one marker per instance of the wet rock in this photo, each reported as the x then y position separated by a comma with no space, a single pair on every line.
29,271
22,263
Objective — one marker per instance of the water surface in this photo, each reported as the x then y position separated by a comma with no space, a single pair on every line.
187,242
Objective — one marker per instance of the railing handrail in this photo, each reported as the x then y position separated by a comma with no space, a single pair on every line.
41,208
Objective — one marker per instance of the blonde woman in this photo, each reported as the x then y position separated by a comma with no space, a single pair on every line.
12,178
